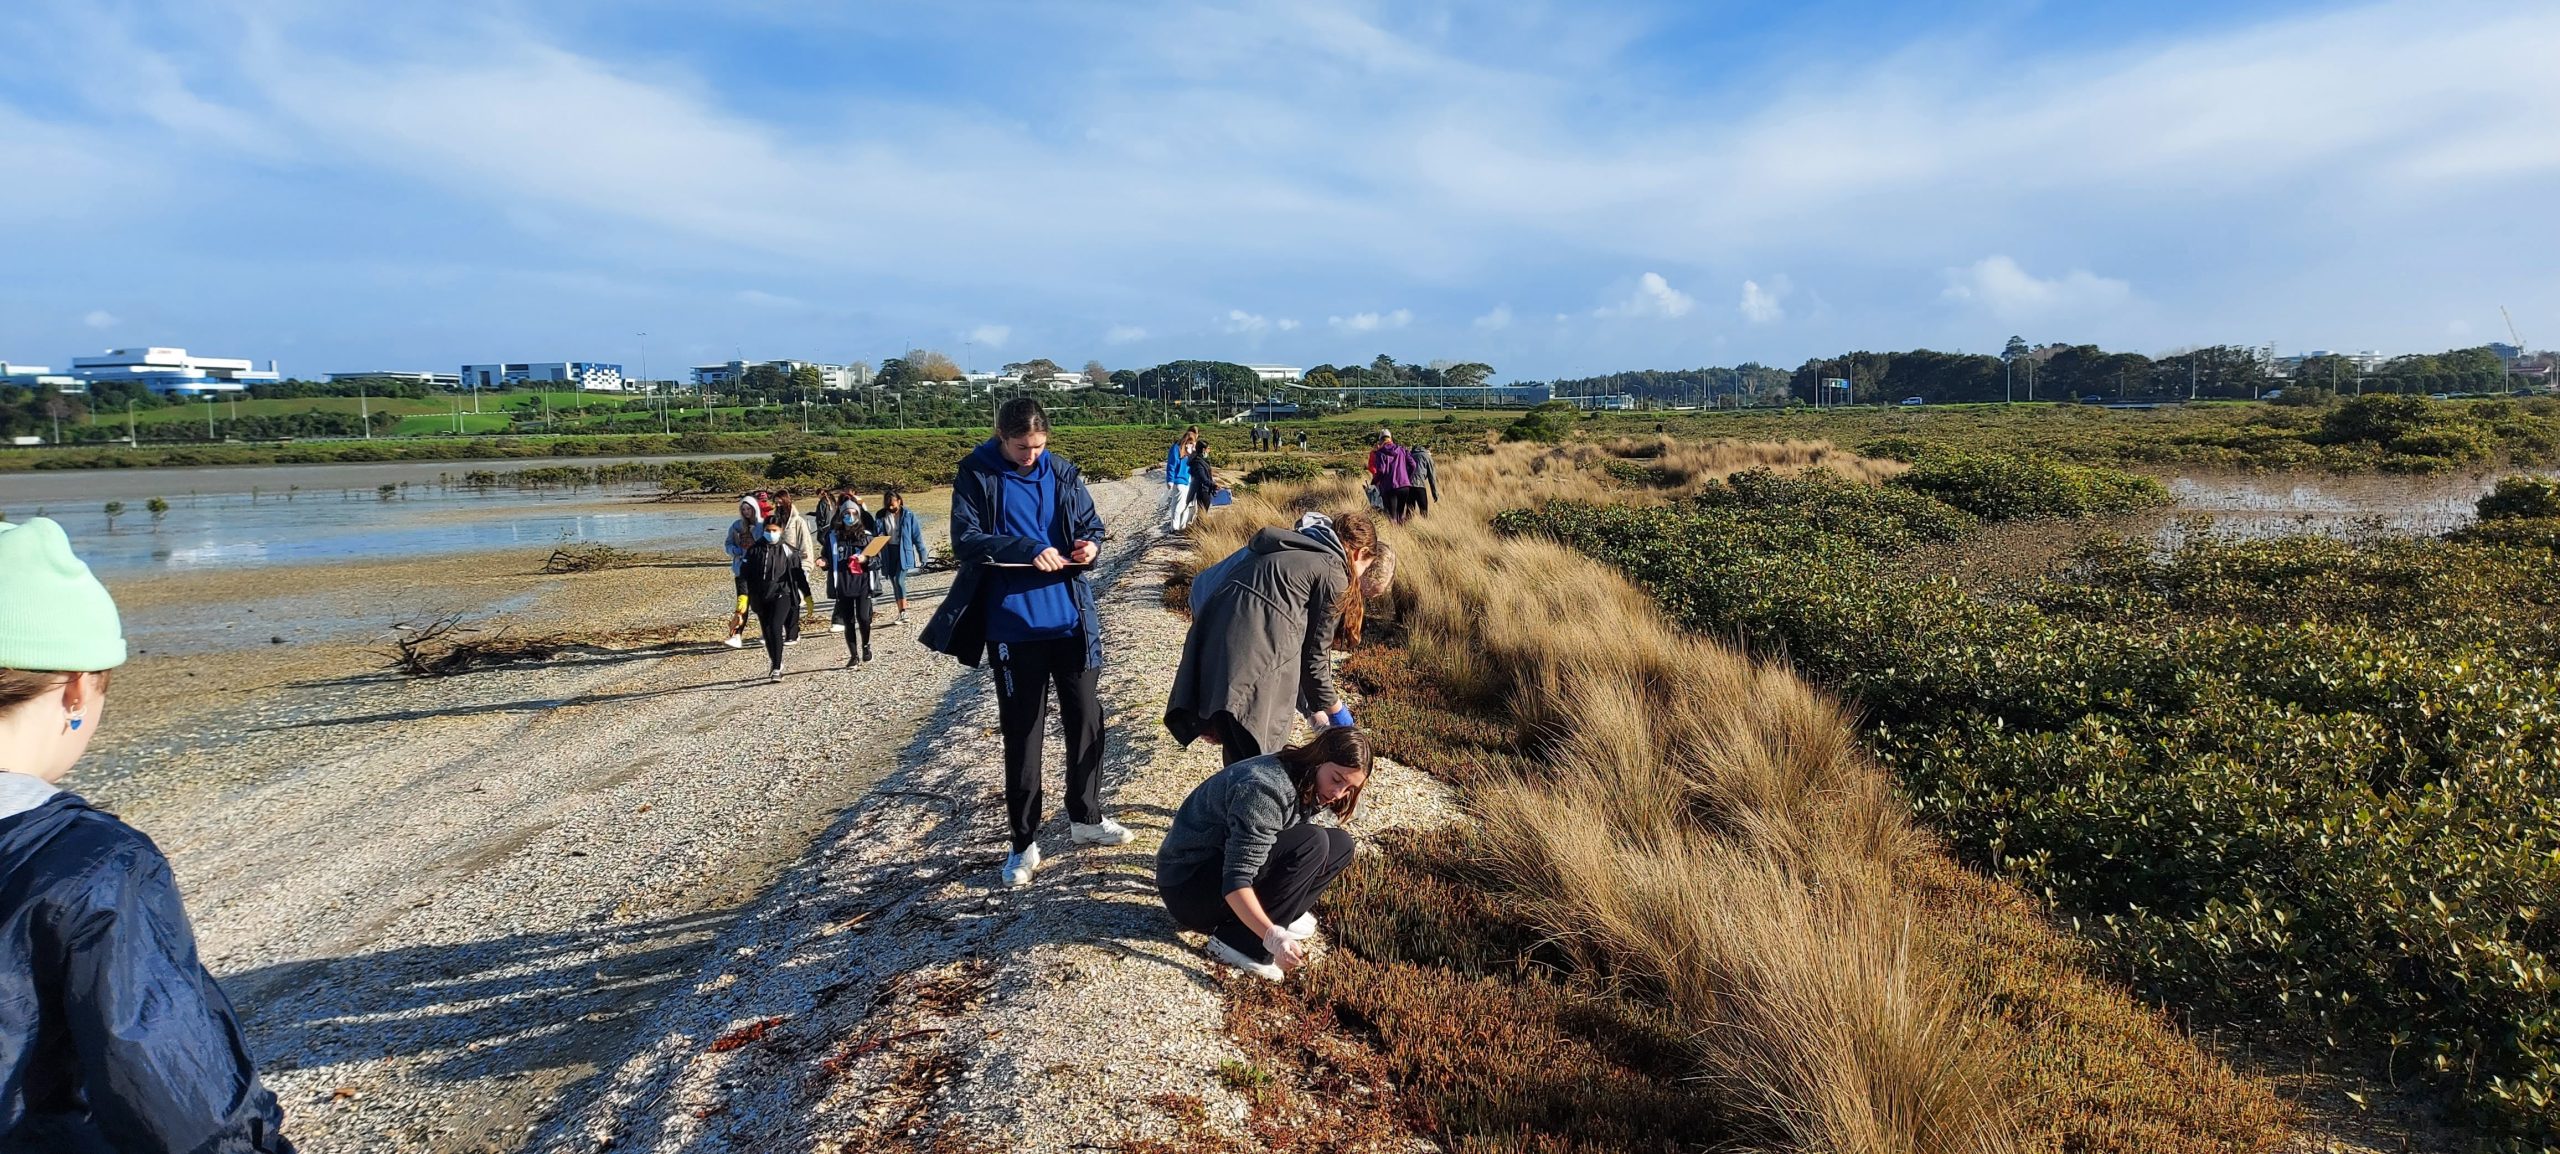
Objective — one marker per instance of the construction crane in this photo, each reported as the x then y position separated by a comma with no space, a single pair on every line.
2507,379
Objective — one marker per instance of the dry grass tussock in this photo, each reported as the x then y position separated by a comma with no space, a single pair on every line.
1696,824
1687,466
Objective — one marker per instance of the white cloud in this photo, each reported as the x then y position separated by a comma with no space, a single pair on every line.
1763,306
992,336
99,319
1372,322
1124,334
1654,297
1498,319
1286,324
1997,285
763,299
1244,323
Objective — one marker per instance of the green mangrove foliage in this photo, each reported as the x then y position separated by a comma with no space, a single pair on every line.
2304,780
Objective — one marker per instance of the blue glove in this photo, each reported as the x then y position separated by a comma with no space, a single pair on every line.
1340,717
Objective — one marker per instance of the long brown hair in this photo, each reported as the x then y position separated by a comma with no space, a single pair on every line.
1340,745
1355,531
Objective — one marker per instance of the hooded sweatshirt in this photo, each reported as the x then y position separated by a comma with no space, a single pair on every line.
112,1034
1030,605
1260,644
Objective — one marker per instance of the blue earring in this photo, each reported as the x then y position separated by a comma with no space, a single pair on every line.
75,723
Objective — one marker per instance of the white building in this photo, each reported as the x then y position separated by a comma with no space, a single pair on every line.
590,376
1277,374
403,376
173,371
17,376
732,374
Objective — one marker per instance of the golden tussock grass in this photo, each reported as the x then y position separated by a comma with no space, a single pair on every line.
1692,824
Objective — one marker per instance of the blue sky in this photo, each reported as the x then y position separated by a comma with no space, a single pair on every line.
1555,189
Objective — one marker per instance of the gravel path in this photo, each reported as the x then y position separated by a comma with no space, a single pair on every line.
889,995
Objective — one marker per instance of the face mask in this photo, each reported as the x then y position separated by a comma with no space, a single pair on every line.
773,534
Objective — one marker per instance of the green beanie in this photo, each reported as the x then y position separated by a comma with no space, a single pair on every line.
54,616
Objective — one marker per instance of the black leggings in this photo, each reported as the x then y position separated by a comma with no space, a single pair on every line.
853,611
1234,744
779,621
1304,859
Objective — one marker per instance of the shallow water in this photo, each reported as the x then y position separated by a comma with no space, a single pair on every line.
2285,504
238,530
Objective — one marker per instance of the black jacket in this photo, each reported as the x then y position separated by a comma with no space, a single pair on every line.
959,625
113,1037
772,571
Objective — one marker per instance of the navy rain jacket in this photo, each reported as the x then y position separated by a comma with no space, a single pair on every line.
112,1035
959,625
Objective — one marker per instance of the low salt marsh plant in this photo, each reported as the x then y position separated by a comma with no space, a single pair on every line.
2309,781
1702,833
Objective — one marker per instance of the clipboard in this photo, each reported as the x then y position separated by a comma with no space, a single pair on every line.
873,549
1028,565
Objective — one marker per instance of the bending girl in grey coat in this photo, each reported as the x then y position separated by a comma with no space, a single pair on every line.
1259,653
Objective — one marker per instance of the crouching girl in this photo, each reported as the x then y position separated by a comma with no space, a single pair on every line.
1244,862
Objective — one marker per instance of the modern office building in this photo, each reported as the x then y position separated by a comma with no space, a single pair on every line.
17,376
1277,374
173,371
590,376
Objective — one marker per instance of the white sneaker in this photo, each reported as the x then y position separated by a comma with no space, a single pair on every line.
735,642
1267,971
838,627
1105,832
776,675
1018,867
1304,927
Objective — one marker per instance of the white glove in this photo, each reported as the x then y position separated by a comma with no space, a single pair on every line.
1286,952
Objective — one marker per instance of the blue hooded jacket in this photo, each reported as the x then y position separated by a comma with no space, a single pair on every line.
959,625
113,1037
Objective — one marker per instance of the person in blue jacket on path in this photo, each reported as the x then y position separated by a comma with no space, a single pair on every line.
113,1036
906,550
1177,480
1025,532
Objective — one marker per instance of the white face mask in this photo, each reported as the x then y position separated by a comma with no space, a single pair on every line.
773,534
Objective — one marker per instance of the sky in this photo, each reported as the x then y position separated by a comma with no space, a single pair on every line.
1553,189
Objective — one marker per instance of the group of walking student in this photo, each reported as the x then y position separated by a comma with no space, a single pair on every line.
115,1037
860,553
1402,482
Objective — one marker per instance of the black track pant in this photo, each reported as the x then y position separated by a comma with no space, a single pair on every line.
1234,744
1304,860
779,621
853,611
1024,672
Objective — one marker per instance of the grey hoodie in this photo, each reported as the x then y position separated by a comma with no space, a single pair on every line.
1228,824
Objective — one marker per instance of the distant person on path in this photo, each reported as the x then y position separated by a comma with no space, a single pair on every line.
849,577
1302,440
905,553
741,537
1177,480
1259,654
1426,484
1245,862
1025,531
113,1036
774,583
1204,479
1391,472
797,533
